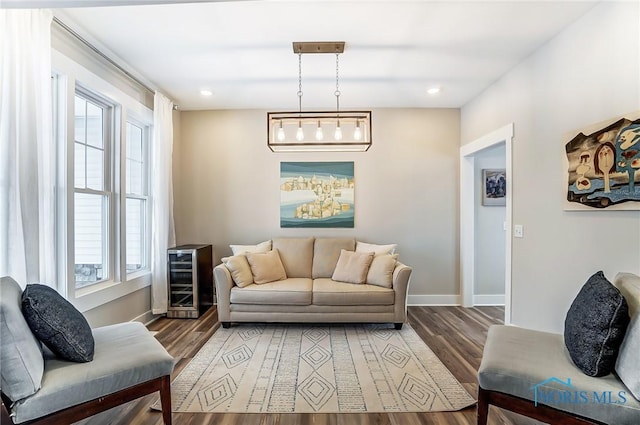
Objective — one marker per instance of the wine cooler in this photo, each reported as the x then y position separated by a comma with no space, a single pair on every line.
190,274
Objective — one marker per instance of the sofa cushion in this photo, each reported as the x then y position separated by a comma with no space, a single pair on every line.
266,266
381,270
296,255
329,292
595,326
376,249
125,354
240,270
57,323
524,362
21,361
292,291
241,249
627,363
352,266
326,252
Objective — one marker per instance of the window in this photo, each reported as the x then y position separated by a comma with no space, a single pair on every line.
103,196
137,192
93,194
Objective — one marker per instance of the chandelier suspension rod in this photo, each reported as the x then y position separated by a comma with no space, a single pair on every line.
337,93
300,82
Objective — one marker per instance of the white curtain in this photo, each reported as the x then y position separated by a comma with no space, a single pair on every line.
163,230
27,153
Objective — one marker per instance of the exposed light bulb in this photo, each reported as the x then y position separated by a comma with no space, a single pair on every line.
357,133
281,135
299,133
338,133
319,135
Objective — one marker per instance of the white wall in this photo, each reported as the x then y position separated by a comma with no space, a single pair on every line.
489,228
227,190
588,73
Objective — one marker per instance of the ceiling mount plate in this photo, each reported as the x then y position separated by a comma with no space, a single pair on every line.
318,47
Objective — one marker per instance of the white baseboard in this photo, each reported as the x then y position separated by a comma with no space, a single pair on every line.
425,300
497,299
146,318
436,300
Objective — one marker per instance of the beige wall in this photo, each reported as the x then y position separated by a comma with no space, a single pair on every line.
227,187
134,306
588,73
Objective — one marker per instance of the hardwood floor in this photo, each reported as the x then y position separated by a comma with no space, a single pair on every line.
455,334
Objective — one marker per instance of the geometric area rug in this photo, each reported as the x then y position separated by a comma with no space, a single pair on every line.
302,368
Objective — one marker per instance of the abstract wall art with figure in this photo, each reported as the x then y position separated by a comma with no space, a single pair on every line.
316,194
494,192
603,166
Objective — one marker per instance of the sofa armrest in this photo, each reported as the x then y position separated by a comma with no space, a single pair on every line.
224,283
401,277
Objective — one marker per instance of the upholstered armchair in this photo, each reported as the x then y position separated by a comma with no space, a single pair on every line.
38,387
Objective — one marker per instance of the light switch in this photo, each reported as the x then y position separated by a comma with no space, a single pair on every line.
518,231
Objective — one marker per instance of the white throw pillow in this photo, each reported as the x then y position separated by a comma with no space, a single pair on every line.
241,249
376,249
266,266
239,268
381,270
352,267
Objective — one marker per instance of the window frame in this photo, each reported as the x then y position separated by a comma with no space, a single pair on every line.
145,196
109,184
67,75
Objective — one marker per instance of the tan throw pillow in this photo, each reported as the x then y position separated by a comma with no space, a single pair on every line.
376,249
241,249
239,269
266,266
381,270
352,266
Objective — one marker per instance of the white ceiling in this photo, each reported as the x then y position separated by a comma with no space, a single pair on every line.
395,50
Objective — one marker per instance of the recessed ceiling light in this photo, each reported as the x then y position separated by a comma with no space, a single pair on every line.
206,92
433,90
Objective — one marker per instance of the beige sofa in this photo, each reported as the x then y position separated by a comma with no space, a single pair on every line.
308,293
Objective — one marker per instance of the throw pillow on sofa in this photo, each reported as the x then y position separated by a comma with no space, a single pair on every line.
240,270
57,323
241,249
376,249
266,266
381,270
595,326
352,267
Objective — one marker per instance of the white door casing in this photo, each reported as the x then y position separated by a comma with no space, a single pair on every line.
467,214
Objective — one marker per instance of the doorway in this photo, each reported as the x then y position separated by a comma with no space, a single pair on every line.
468,186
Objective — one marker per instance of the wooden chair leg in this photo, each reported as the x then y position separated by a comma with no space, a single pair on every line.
483,407
165,399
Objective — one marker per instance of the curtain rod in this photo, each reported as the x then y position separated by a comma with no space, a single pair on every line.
105,57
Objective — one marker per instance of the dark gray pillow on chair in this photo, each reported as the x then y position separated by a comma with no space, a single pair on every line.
57,323
595,326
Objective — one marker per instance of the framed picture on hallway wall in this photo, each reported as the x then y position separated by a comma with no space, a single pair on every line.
317,194
494,191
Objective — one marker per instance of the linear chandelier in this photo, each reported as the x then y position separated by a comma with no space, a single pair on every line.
319,131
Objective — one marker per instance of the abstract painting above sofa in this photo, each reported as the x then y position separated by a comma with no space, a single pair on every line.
317,194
